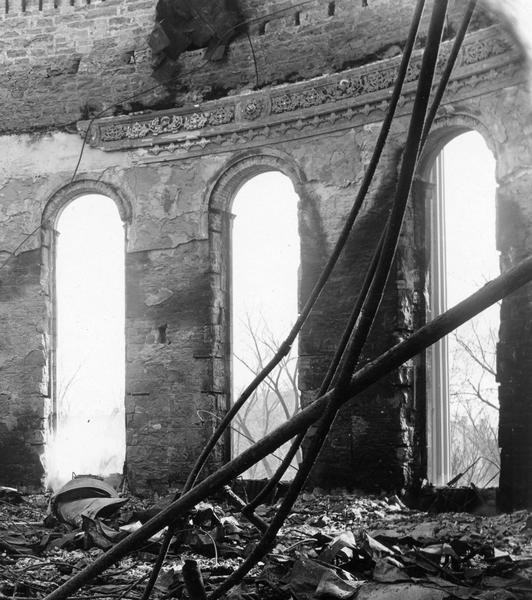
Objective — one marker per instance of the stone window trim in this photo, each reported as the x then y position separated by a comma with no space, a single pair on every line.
246,166
219,199
51,213
446,128
68,193
429,199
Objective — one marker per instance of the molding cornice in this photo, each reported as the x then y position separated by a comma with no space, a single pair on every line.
488,61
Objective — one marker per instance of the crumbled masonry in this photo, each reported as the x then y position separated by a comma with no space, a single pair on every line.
168,108
344,544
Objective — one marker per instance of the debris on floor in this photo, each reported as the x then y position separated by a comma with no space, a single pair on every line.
336,546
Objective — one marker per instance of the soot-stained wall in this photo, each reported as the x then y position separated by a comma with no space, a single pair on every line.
177,170
64,60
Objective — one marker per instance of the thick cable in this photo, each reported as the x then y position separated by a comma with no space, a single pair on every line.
445,76
326,383
325,420
439,327
379,146
429,120
371,301
284,348
277,476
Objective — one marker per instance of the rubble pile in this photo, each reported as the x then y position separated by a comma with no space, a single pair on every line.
332,546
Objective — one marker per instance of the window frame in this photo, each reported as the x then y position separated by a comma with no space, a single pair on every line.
430,173
50,216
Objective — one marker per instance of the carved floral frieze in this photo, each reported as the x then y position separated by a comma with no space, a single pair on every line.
244,118
260,135
167,124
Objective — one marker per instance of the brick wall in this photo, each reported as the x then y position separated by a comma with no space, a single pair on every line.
62,61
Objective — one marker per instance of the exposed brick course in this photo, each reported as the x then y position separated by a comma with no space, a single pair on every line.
65,63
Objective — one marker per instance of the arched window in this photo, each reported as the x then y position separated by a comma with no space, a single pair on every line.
265,263
89,307
463,394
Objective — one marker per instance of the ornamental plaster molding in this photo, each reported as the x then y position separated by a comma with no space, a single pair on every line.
487,61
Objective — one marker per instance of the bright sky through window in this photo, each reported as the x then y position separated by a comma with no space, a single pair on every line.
265,261
90,305
472,260
469,169
265,251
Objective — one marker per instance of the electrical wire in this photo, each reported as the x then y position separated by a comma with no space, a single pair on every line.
286,345
14,252
451,61
254,59
144,91
224,36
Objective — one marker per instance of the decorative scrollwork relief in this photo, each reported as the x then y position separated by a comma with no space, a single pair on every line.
167,124
481,50
253,109
362,90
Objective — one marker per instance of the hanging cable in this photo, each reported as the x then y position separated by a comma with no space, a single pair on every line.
371,301
285,347
444,80
136,95
254,59
14,252
364,377
379,146
327,381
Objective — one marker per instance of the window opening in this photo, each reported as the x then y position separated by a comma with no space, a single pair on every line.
265,264
89,436
463,406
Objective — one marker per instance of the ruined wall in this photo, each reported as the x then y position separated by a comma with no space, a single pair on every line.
168,166
514,352
168,374
66,60
503,119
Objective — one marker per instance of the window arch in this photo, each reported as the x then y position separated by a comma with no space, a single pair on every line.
72,191
84,249
236,192
462,392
